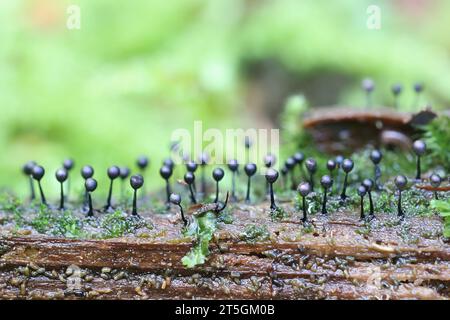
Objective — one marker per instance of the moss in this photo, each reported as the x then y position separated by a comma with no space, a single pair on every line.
43,219
308,228
118,224
437,138
443,207
278,214
9,202
364,230
254,233
67,225
225,216
314,202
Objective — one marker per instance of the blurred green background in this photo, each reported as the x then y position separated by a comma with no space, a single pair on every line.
138,69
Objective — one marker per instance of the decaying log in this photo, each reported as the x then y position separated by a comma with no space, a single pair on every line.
335,257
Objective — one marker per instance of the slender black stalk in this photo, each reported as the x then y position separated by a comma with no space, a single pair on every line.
33,194
371,210
108,201
273,206
85,200
91,210
362,208
134,212
168,192
233,185
182,215
61,202
399,204
247,198
203,181
435,195
305,217
377,176
324,203
311,181
331,176
338,180
343,195
194,201
418,168
217,192
42,193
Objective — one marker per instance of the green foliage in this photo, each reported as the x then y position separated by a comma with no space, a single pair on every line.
278,214
43,219
67,225
202,228
9,202
57,223
437,137
414,202
226,216
118,224
12,204
255,233
443,207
